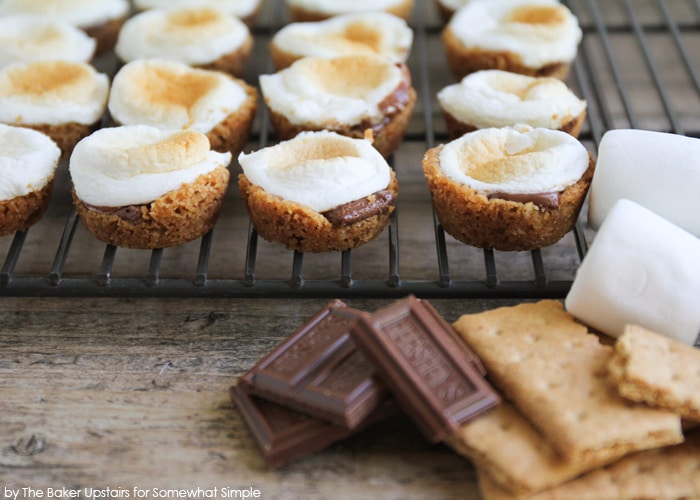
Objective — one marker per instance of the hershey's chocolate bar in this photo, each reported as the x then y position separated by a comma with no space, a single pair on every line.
318,371
433,375
282,434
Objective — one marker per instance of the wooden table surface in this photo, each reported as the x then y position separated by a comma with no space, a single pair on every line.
132,393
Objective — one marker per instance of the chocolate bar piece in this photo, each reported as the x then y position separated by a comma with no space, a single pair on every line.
284,435
431,373
318,371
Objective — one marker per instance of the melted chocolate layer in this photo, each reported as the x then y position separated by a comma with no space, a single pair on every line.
131,213
356,210
547,200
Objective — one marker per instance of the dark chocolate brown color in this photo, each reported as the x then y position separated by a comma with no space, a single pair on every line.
431,373
317,370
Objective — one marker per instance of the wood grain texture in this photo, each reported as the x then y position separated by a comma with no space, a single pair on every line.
121,393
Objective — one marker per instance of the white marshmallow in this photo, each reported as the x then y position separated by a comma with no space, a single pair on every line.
365,33
515,160
80,13
334,8
495,98
29,37
514,26
28,160
321,170
238,8
640,269
191,35
319,92
658,170
52,92
172,95
133,165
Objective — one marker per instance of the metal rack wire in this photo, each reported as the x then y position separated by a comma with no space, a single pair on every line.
662,92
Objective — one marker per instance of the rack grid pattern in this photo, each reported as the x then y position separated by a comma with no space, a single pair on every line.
638,67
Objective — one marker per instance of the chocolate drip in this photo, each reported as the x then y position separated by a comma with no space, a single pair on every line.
547,200
356,210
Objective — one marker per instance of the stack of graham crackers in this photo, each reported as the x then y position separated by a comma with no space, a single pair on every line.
559,415
581,419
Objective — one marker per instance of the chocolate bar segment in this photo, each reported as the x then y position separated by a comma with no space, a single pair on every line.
426,367
282,434
318,371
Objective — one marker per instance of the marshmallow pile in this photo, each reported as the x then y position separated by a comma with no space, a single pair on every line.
132,165
538,31
321,170
643,266
516,160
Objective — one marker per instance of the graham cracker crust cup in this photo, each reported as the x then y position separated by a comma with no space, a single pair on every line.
463,61
499,224
175,218
234,63
299,14
387,136
233,132
303,229
22,212
456,128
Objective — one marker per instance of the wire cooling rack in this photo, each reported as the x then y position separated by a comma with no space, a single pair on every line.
638,67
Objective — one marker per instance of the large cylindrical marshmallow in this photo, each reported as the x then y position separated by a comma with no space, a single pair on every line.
640,269
656,169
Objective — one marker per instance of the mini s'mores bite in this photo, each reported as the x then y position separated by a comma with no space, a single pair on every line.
29,37
496,98
658,170
348,95
640,269
204,37
509,188
174,96
245,10
100,19
142,187
318,192
362,33
28,161
318,10
65,100
532,37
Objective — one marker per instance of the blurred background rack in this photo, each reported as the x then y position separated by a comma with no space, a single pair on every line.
638,67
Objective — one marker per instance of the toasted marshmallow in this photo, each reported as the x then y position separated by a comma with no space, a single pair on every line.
52,93
321,170
238,8
495,98
540,32
344,90
365,33
80,13
515,160
28,161
133,165
640,269
190,35
658,170
334,8
29,37
172,95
